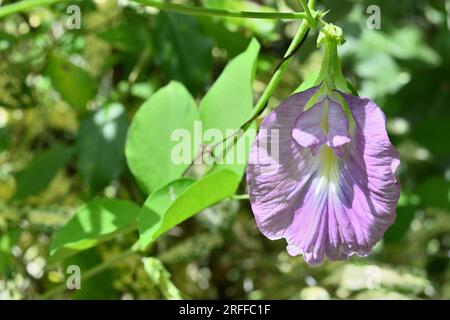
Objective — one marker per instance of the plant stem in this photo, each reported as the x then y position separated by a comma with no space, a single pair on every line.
309,16
271,86
240,197
191,10
25,5
90,273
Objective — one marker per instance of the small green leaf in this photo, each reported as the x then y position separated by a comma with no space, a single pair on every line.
156,205
95,222
180,200
229,102
38,174
182,50
75,84
150,141
100,146
226,107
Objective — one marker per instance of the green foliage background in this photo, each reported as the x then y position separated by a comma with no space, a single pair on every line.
69,97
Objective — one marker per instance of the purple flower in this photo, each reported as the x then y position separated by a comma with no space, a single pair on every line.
324,183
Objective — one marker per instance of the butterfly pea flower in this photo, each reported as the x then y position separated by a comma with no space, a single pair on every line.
331,189
321,171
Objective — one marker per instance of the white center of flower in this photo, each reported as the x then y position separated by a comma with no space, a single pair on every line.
328,175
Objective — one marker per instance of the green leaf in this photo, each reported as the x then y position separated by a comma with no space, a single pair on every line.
227,106
180,200
95,222
435,192
100,146
229,102
182,50
150,145
75,84
38,174
156,205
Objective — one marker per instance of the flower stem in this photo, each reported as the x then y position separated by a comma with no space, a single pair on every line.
309,16
191,10
273,83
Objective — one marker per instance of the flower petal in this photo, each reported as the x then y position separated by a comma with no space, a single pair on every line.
273,180
337,125
325,205
308,131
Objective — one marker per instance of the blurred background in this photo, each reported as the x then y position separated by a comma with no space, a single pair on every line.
55,155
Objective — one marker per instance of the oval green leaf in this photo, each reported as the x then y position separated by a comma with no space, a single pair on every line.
153,137
180,200
95,222
75,84
229,102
